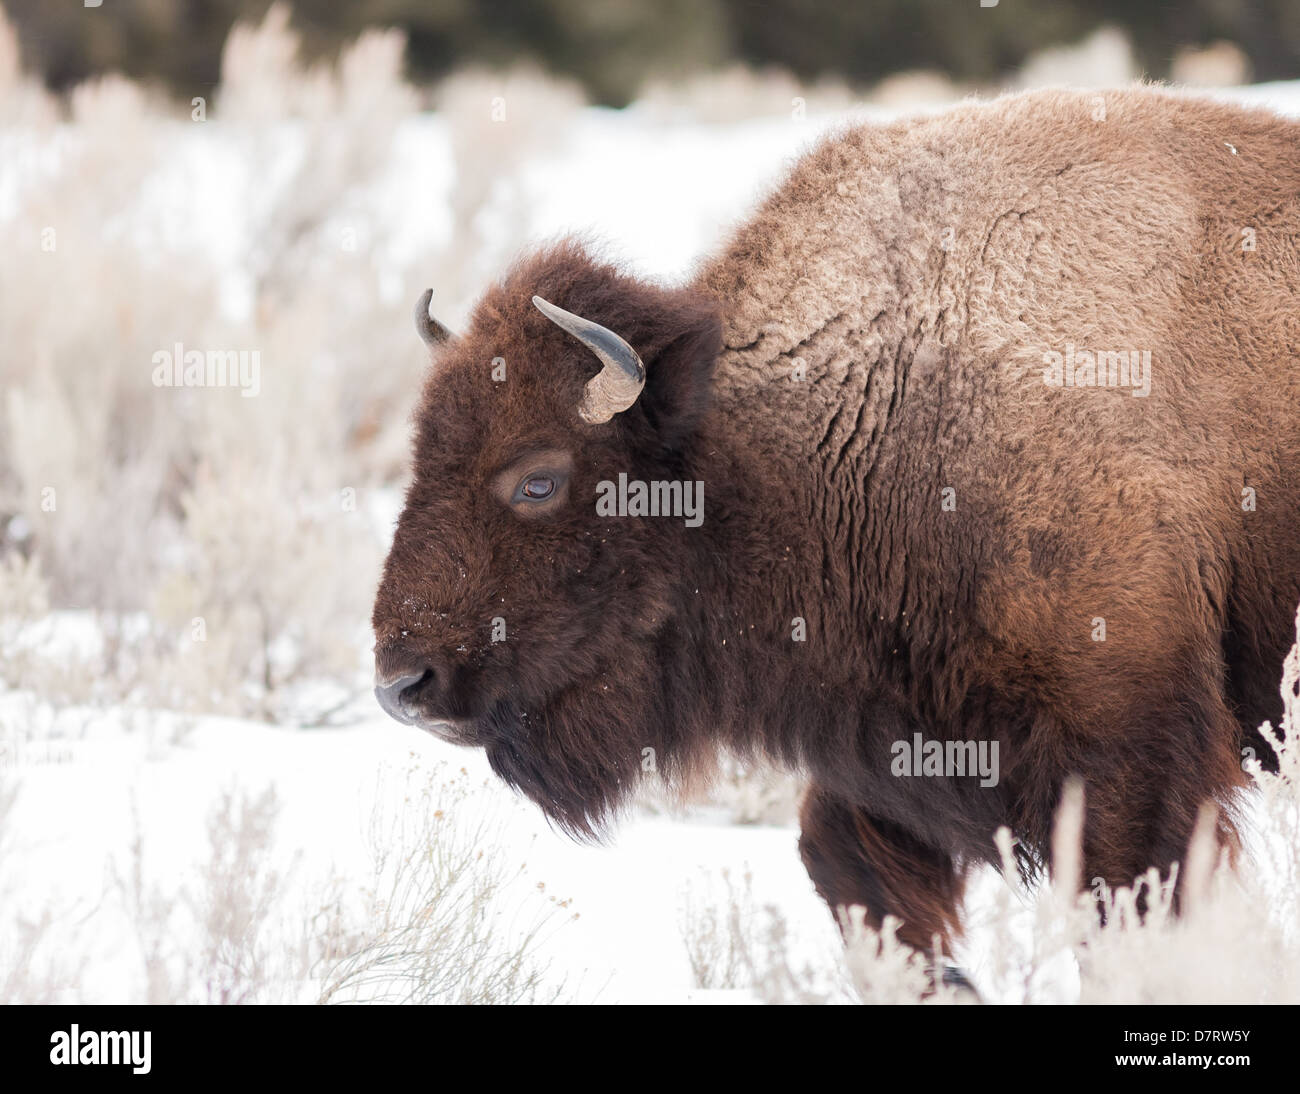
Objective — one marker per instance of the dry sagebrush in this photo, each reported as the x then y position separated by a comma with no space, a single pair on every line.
240,526
444,919
438,924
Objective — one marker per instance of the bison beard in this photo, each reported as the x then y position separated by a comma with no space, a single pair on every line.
582,753
578,775
907,530
576,792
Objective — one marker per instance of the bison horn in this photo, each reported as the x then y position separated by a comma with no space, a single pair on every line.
617,385
431,331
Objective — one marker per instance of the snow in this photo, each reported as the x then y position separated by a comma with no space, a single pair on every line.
83,799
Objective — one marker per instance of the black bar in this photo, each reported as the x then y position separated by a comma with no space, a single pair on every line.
334,1045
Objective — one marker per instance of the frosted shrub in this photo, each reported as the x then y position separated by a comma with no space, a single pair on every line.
230,909
36,964
734,943
756,793
717,925
445,918
274,588
24,597
442,922
243,521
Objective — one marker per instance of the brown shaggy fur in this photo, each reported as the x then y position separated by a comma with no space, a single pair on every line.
914,275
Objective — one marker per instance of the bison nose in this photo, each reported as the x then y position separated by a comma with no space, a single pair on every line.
389,694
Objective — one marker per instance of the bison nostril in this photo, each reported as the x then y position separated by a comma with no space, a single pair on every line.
389,693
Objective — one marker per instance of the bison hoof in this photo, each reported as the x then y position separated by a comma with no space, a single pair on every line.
957,983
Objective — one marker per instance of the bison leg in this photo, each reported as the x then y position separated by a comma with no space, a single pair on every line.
1126,833
1142,800
854,858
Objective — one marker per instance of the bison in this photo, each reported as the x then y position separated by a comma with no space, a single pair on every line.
992,415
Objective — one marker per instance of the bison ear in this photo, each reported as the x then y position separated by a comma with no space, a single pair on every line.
679,375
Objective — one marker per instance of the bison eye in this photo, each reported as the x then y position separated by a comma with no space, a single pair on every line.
537,488
535,485
538,491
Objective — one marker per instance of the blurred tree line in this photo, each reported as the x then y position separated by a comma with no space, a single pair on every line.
612,46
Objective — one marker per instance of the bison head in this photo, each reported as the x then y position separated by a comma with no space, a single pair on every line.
512,615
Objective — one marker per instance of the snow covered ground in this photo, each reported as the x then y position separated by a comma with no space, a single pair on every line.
83,800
